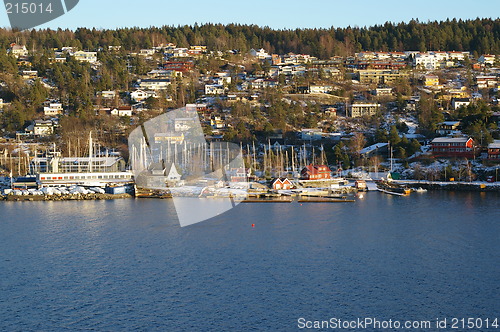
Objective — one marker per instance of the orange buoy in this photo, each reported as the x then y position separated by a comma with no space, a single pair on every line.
253,225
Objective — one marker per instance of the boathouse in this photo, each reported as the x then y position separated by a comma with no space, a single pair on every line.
282,184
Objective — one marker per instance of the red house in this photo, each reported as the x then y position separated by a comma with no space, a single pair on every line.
494,151
181,66
453,147
316,172
282,184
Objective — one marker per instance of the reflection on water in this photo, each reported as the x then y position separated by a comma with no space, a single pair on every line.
127,264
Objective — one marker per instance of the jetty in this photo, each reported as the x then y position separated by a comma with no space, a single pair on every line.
452,185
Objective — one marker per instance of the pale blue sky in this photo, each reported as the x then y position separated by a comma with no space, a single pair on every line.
276,14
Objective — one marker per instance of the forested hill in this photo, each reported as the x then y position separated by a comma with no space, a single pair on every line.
479,36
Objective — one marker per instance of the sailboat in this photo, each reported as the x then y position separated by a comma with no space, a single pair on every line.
388,186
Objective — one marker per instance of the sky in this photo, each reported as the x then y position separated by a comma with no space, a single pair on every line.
291,14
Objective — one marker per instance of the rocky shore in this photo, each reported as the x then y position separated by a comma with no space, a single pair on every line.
452,186
72,197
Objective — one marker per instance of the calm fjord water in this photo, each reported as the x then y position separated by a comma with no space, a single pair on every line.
126,264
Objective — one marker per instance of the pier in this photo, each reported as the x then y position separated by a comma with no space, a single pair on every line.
452,186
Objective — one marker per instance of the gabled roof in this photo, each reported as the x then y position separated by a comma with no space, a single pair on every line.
494,145
451,140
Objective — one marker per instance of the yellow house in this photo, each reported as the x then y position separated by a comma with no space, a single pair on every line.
169,137
431,80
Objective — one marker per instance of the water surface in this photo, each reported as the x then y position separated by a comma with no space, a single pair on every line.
126,264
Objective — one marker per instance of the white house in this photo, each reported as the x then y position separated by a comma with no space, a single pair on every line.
382,91
223,80
441,56
122,111
41,128
147,52
262,83
458,55
154,84
17,50
456,103
426,60
320,88
107,94
485,81
162,73
261,53
140,95
53,109
487,59
84,56
214,89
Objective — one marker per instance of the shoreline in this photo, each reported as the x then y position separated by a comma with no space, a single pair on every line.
424,184
452,186
53,198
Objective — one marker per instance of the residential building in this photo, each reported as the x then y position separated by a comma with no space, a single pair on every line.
456,103
41,128
170,137
453,147
320,88
53,109
431,80
261,54
448,127
316,172
107,94
311,134
382,92
263,83
147,52
29,74
363,109
84,56
487,59
486,81
457,55
140,95
160,176
154,84
426,61
179,66
18,51
214,89
216,122
379,76
197,50
122,111
239,174
494,151
162,73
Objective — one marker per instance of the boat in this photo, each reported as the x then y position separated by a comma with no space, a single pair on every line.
392,188
420,190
